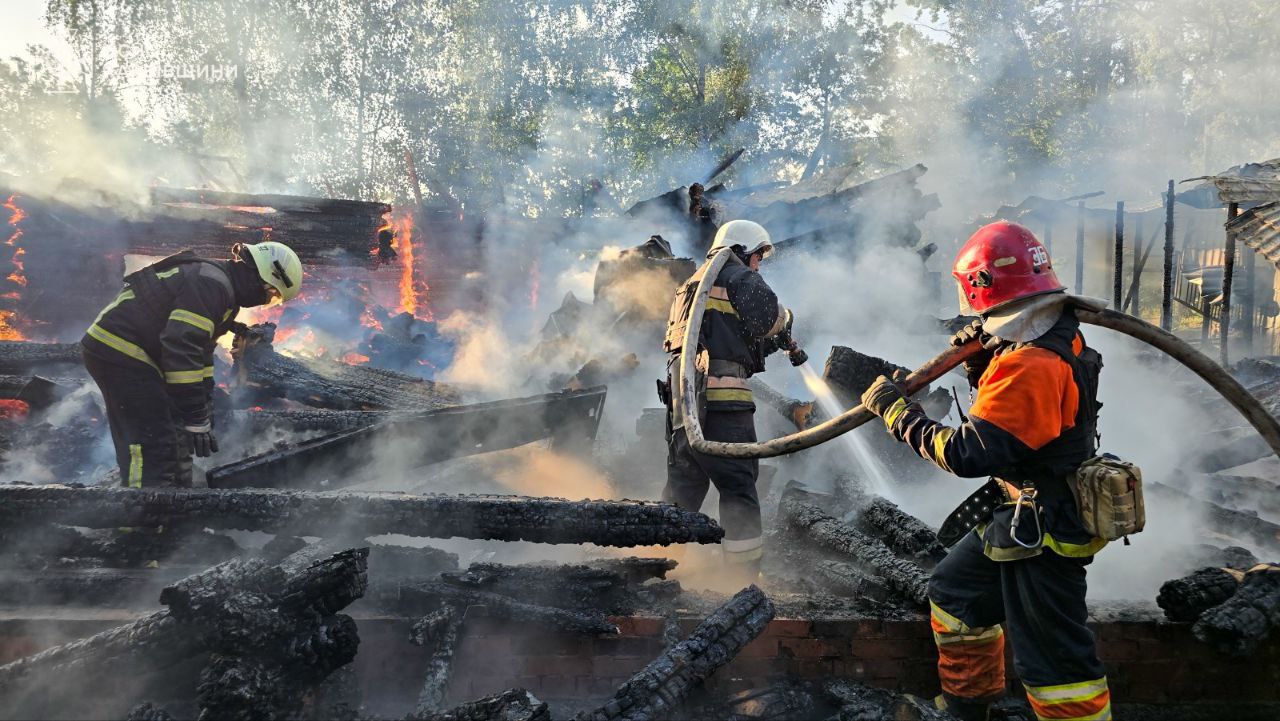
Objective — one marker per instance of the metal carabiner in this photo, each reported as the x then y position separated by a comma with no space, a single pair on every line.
1026,497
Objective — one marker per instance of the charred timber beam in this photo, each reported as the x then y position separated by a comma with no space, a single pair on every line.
635,568
900,530
501,518
1184,599
444,627
516,704
420,597
659,688
574,587
849,580
904,577
1237,524
20,357
197,617
265,374
1243,623
346,457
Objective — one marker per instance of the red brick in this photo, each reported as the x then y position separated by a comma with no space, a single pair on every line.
638,625
1119,651
556,686
812,648
834,628
614,666
762,647
883,648
758,669
788,628
908,629
561,665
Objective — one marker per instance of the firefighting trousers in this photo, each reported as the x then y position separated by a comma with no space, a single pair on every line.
690,475
1041,601
150,447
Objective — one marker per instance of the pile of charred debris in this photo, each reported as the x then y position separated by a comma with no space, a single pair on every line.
261,571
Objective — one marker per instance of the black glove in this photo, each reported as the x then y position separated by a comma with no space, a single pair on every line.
203,444
977,365
880,398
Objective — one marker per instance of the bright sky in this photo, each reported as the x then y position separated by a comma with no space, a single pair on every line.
23,25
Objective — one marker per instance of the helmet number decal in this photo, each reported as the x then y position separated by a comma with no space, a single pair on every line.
1039,256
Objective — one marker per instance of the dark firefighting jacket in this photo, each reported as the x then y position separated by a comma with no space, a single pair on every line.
168,317
1032,424
737,332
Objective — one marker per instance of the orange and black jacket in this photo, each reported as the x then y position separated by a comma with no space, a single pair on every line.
736,331
168,319
1033,422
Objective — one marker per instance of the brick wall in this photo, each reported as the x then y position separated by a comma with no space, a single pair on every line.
1147,662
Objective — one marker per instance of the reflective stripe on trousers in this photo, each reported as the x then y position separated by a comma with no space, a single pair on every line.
970,659
135,465
743,550
1083,701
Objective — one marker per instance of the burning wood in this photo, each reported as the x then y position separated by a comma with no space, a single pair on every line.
266,374
503,518
349,456
1184,599
274,635
817,526
573,587
658,689
419,598
513,705
21,357
441,631
900,531
1243,623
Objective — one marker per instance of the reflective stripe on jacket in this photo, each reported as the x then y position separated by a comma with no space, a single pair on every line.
741,311
176,336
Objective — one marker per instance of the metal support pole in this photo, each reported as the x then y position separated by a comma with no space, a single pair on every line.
1166,301
1228,271
1048,235
1117,292
1080,248
1138,264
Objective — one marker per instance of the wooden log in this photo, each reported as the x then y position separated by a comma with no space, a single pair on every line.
869,554
502,518
1243,623
418,598
900,531
1184,599
1236,524
516,704
21,357
339,459
655,691
263,374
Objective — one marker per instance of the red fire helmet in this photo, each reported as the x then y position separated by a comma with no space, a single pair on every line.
1001,263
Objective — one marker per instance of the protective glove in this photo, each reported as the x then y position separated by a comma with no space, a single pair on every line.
886,399
203,444
977,365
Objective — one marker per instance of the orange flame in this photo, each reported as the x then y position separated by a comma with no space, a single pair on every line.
18,275
354,358
13,409
413,293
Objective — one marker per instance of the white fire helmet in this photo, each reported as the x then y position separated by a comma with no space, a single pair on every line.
277,264
750,235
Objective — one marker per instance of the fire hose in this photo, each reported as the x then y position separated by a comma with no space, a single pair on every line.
1176,348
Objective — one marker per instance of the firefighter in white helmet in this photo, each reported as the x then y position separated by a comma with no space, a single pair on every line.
151,352
743,323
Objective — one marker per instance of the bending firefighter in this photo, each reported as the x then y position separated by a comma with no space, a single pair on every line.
1031,426
743,323
151,353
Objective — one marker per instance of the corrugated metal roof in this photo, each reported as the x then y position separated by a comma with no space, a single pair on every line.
1248,183
1259,228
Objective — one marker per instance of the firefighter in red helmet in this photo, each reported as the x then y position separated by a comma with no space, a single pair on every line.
1031,426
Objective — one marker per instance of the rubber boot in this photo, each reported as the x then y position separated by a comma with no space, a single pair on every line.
741,572
965,709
